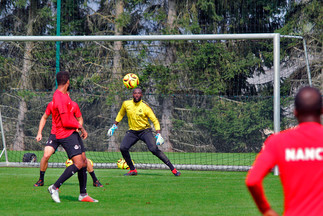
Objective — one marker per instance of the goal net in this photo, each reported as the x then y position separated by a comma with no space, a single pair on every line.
217,98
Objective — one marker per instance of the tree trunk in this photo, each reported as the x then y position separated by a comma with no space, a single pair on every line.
168,104
19,140
117,68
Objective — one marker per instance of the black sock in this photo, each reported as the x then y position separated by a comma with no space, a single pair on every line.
69,171
127,158
82,176
170,165
93,176
42,175
161,155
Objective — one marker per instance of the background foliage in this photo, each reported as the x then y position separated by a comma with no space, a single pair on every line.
216,95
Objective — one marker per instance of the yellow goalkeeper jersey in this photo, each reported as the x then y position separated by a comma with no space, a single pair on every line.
138,114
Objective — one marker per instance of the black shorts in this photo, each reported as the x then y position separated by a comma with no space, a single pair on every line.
133,136
52,141
73,145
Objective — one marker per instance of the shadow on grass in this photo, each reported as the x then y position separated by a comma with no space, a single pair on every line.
70,183
69,198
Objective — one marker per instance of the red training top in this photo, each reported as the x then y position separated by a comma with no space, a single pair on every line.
298,152
74,109
62,116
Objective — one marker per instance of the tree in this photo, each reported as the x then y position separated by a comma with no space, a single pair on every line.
25,85
304,18
25,17
19,143
117,63
167,106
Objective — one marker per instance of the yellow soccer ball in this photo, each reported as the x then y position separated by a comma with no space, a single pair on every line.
130,80
90,161
68,162
122,164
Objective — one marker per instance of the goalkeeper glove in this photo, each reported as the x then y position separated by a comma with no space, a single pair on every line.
159,139
111,130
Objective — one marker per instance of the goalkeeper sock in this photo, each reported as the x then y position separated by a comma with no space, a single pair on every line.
170,165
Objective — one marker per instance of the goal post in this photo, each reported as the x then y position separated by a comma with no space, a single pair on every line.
4,148
275,37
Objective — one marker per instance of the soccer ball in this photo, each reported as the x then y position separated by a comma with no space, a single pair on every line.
131,81
68,162
122,164
90,161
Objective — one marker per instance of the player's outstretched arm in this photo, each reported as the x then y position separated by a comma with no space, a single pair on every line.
159,138
39,137
112,129
41,127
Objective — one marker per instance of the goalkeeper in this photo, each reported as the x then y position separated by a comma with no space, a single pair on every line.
138,112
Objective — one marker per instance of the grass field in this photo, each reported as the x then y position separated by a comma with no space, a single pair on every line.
152,192
230,159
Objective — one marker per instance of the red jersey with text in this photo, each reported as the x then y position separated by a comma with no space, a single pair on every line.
298,152
64,119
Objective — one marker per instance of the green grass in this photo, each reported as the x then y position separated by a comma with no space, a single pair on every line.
152,192
239,159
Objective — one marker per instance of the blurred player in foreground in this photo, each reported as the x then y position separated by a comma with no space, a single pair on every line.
298,152
138,112
52,145
66,127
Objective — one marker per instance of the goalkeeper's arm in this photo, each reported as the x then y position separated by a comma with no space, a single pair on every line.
112,129
159,138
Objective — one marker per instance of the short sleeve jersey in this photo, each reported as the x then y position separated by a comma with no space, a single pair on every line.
138,115
62,104
75,109
49,111
298,152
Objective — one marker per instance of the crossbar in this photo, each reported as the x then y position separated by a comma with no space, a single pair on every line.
140,37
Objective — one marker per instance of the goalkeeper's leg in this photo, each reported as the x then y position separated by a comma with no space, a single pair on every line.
150,141
129,140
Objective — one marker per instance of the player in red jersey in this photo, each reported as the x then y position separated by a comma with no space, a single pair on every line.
298,152
66,126
52,145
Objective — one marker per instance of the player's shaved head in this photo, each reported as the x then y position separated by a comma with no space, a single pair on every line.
62,77
308,102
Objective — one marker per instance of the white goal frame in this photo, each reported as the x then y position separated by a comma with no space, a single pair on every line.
276,64
274,36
